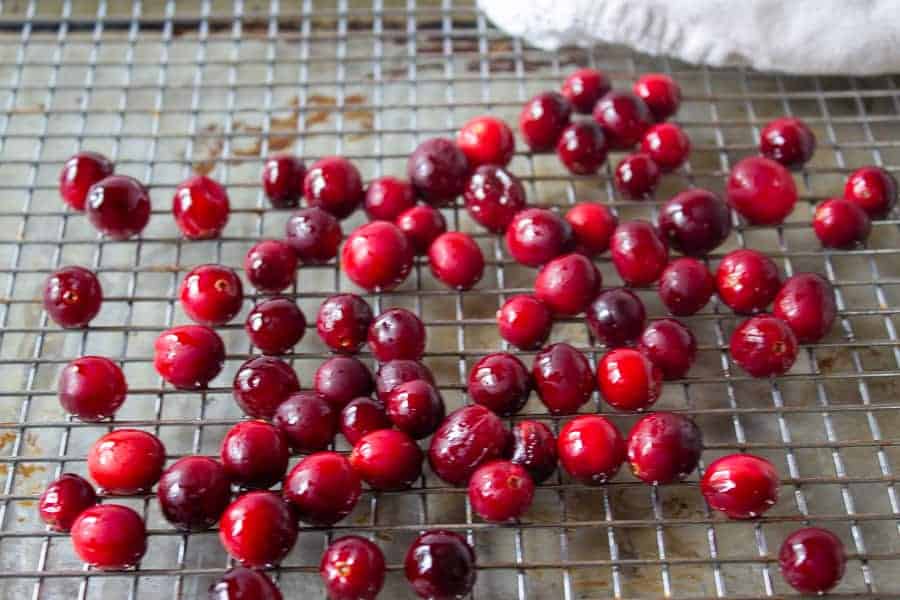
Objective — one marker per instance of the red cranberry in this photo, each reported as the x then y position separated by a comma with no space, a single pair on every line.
275,325
437,169
590,449
839,223
761,190
628,379
387,198
563,378
664,447
661,94
616,317
592,226
486,141
377,256
282,180
568,284
255,454
352,569
92,388
873,189
537,235
340,379
534,447
361,416
747,280
394,372
524,321
695,222
211,294
764,346
624,118
806,303
493,196
193,492
742,486
343,322
270,266
469,437
307,421
79,173
261,384
258,529
812,560
500,382
126,461
201,208
670,346
64,500
72,296
456,260
333,184
500,491
421,225
788,141
240,583
189,357
440,564
582,148
314,234
322,488
667,145
542,120
415,407
637,176
397,333
638,252
387,459
685,286
584,87
109,537
118,206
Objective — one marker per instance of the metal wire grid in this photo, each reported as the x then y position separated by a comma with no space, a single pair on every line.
164,90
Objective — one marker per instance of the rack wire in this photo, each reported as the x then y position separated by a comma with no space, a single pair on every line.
212,86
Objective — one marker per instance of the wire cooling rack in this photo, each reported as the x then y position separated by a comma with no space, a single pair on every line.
211,87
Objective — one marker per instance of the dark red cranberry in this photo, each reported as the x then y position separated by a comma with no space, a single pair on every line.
638,252
275,325
747,280
255,454
537,235
387,459
456,260
661,94
240,583
343,322
352,569
873,189
340,379
616,317
258,529
592,226
493,196
524,321
761,190
92,388
664,447
307,421
440,564
764,346
812,560
415,407
806,303
126,461
584,87
377,256
624,118
282,180
64,500
193,492
742,486
567,284
500,491
118,206
542,120
637,176
314,234
109,537
79,173
469,437
437,169
421,224
563,378
189,357
486,141
322,488
362,416
261,384
534,447
333,184
500,382
582,148
271,265
200,207
788,141
670,346
394,372
211,294
72,296
590,449
397,333
628,379
667,145
839,223
695,222
685,286
388,197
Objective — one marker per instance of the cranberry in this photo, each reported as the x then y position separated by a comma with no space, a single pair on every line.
440,564
307,421
282,180
661,94
664,447
275,325
109,537
616,317
394,372
524,321
500,491
568,284
240,583
193,492
437,169
667,145
387,459
563,378
638,252
456,260
500,382
670,346
764,346
258,529
79,173
873,189
542,120
486,141
314,234
592,226
200,207
92,388
189,357
387,198
624,118
742,486
536,235
812,560
685,286
415,407
534,447
255,454
261,384
590,449
582,148
361,416
761,190
118,206
636,176
352,569
377,256
469,437
333,184
806,303
695,222
126,461
493,196
584,87
271,265
343,322
211,294
628,379
421,225
72,296
397,333
341,379
839,223
322,488
788,141
64,500
747,280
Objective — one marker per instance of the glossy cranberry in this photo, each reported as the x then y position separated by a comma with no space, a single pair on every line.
568,284
582,148
493,196
353,569
667,145
685,286
695,222
590,449
537,235
562,378
270,266
126,461
200,207
240,583
661,94
812,560
747,280
275,325
542,120
387,459
388,197
394,372
397,333
343,322
254,454
261,384
670,346
282,180
592,226
806,303
623,117
72,296
314,234
524,321
79,173
377,256
322,488
118,206
616,317
437,169
788,141
333,184
742,486
534,447
636,176
440,565
92,388
664,447
361,416
415,407
873,189
486,141
258,529
193,492
109,537
500,382
500,491
761,190
211,294
456,260
839,223
421,224
584,87
469,437
340,379
638,252
65,499
307,421
764,346
628,379
189,357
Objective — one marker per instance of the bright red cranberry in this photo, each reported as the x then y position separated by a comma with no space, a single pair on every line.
255,454
72,296
638,252
563,378
126,461
340,379
628,379
261,384
542,120
275,325
314,234
534,447
742,486
240,583
486,141
343,322
92,388
592,226
270,266
582,148
193,492
397,333
500,491
307,421
670,346
79,173
873,189
667,145
500,382
788,141
387,197
685,286
806,303
493,196
590,449
469,437
761,190
64,500
282,180
812,560
377,256
764,346
387,459
200,207
584,87
664,447
394,372
624,118
839,223
747,280
109,537
568,284
322,488
421,224
361,416
695,222
415,407
437,169
258,529
661,94
616,317
537,235
189,357
440,564
333,184
352,569
637,176
456,260
118,206
524,321
211,294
